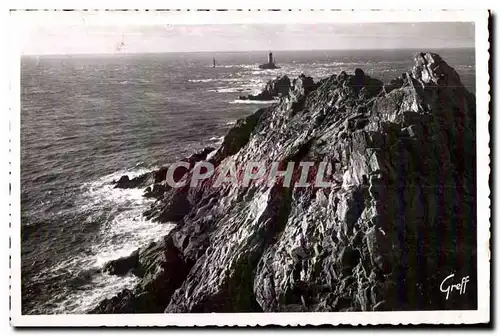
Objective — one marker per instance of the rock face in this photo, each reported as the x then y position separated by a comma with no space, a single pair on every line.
155,180
275,88
124,265
126,183
399,219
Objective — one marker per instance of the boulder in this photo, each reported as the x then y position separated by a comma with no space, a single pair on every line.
123,265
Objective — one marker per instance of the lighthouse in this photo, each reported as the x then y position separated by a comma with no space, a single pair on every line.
270,63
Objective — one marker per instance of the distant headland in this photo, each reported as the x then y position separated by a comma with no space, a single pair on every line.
270,63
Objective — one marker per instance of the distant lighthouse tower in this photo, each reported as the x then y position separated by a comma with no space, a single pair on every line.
271,61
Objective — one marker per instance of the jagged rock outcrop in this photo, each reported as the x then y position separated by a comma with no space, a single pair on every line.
125,182
275,88
154,181
397,219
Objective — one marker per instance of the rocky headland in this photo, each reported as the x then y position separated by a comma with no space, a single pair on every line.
401,218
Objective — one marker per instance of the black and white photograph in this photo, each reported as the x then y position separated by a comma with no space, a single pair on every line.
286,167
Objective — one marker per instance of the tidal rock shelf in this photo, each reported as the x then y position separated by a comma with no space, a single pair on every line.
401,219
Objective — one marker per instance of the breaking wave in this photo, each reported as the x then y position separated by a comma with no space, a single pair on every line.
207,80
216,140
123,231
228,90
232,66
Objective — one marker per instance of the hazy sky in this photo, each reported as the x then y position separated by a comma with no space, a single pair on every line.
239,37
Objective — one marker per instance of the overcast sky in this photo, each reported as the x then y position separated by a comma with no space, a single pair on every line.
240,37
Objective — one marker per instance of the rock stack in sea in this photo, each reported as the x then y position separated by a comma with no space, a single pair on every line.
400,220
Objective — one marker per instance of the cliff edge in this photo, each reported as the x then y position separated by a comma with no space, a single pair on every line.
397,219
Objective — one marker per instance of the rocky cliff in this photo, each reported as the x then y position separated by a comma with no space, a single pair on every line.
398,218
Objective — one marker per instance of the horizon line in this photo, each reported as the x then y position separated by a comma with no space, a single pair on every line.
231,51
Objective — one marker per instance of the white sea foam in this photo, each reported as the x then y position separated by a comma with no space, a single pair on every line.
207,80
103,287
266,102
231,66
266,71
332,64
126,231
243,85
233,80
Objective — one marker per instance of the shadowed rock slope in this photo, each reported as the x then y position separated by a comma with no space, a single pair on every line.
399,217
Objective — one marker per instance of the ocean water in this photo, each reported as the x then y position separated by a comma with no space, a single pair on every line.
87,120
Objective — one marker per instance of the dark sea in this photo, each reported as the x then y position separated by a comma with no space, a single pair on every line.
87,120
